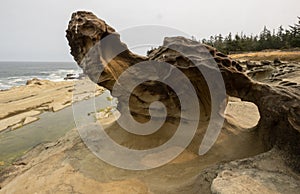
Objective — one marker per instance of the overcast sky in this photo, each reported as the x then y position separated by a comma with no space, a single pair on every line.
34,30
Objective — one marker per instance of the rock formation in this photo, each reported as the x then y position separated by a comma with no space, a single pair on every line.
22,105
279,106
237,163
112,56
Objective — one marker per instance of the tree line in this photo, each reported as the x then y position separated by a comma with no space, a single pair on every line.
277,39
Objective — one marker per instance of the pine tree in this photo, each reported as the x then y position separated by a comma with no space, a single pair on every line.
295,34
283,38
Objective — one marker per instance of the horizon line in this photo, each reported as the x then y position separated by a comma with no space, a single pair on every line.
54,61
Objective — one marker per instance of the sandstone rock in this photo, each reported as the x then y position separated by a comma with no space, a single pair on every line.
68,162
34,81
265,173
15,119
58,106
91,56
278,106
238,113
38,96
229,182
30,120
16,126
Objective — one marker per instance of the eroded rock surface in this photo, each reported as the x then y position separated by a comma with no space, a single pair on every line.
97,49
264,173
21,105
67,162
279,106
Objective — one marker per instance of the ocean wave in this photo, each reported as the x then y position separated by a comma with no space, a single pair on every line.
4,86
52,75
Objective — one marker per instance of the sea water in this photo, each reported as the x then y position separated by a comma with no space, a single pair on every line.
17,73
50,127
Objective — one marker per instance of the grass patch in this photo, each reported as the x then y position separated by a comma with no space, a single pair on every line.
290,56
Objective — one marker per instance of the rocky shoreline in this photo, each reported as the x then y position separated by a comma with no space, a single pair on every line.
257,150
59,166
235,163
21,105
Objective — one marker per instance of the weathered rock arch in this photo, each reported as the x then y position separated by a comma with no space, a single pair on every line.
279,106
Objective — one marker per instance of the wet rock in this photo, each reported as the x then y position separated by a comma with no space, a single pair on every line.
70,76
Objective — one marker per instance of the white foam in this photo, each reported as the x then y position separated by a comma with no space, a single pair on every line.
53,75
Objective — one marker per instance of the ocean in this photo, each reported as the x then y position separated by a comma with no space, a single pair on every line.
17,73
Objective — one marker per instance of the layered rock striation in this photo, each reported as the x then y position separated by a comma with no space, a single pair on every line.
98,50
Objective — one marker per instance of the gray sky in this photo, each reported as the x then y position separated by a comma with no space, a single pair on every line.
34,30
